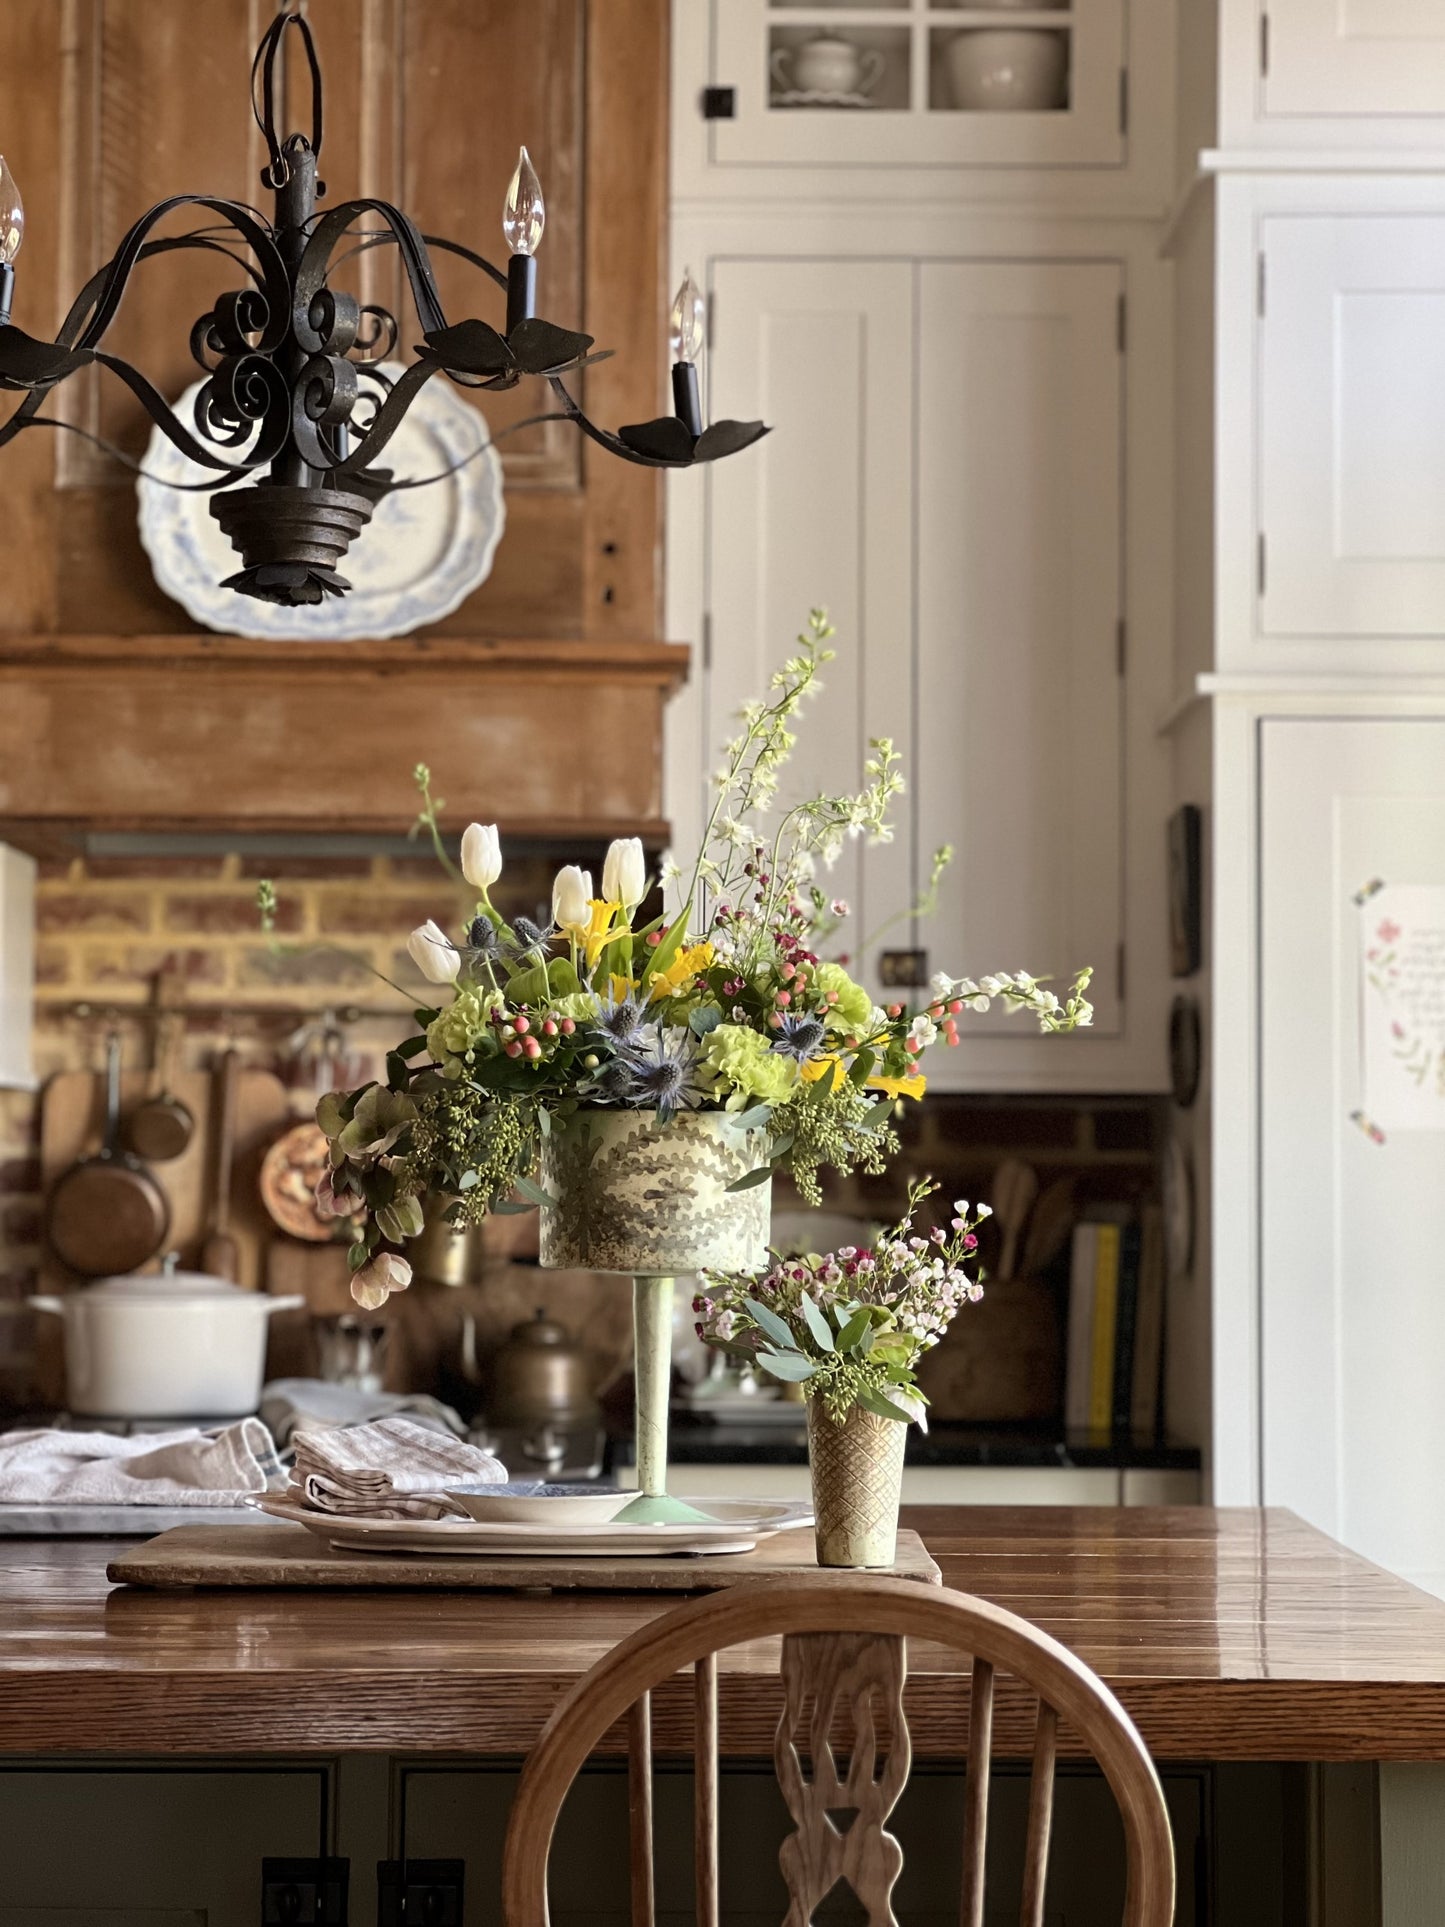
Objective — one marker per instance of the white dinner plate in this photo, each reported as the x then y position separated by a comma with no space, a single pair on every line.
732,1525
421,554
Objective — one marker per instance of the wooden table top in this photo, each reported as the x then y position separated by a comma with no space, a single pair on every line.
1228,1634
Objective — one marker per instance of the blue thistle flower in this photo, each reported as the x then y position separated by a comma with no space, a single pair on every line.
662,1073
621,1022
799,1036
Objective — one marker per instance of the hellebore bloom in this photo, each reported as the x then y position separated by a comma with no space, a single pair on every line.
376,1281
481,855
624,873
434,953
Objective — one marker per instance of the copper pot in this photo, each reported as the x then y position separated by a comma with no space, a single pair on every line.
540,1376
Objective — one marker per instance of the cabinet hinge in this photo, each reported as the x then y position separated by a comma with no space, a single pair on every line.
707,641
1121,323
1259,284
1264,46
1123,100
719,103
1261,558
1119,971
1121,646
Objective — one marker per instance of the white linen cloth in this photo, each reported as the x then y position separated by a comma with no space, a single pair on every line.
157,1468
394,1469
290,1405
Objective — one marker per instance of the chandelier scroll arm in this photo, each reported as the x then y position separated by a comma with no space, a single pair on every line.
387,420
274,423
312,269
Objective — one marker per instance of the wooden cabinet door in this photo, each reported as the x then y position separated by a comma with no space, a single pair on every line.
1018,695
1352,1212
1379,57
901,106
1352,428
821,512
148,1846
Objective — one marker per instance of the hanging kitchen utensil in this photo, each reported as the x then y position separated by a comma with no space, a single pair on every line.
1050,1226
301,1156
220,1254
1015,1186
161,1126
108,1213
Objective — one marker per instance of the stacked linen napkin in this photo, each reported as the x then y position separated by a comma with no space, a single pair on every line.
152,1468
393,1469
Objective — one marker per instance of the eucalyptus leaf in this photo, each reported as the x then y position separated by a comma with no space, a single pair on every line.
789,1365
704,1020
875,1402
750,1178
511,1207
752,1120
530,1189
817,1324
859,1324
861,1069
769,1322
467,1181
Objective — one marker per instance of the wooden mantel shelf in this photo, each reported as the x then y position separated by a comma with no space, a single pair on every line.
212,733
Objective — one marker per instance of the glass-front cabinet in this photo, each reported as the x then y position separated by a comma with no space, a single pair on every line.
934,83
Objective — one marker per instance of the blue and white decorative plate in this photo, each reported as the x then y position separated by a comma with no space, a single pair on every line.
422,553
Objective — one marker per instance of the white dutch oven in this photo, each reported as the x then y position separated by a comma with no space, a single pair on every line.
178,1345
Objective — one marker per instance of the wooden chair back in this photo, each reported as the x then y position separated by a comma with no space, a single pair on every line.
843,1653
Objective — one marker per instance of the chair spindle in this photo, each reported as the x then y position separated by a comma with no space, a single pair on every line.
705,1789
639,1809
1041,1817
975,1816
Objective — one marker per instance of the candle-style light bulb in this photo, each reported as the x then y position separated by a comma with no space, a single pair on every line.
523,214
689,330
689,321
12,216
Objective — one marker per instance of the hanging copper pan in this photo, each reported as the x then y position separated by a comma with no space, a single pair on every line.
107,1213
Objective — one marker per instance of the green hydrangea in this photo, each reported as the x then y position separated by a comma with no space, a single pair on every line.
745,1064
462,1026
854,1008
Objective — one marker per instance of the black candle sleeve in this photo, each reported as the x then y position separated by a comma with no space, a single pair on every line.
521,289
685,402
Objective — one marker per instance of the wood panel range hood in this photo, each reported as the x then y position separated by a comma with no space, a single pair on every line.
538,703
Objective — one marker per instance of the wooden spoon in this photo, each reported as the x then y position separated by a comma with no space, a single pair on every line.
220,1255
1015,1186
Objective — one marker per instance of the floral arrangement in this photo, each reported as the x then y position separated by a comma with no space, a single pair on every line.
726,1000
850,1327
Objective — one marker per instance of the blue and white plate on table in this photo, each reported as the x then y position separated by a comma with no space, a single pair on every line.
423,552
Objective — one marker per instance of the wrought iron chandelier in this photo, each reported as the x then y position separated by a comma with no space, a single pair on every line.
294,380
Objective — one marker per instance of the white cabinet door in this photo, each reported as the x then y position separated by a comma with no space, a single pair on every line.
1352,427
904,78
1380,57
1352,1207
821,512
1019,755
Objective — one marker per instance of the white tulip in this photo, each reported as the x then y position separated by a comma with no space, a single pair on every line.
572,898
624,873
434,953
481,855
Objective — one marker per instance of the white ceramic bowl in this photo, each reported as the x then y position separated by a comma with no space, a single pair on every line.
553,1505
1009,69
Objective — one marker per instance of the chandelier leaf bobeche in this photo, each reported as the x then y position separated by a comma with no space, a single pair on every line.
297,410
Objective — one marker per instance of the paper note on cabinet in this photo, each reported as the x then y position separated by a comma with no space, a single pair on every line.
1402,955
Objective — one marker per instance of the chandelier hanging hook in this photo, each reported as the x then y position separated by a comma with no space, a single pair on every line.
277,171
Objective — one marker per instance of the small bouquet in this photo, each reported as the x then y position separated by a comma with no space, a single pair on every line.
725,1001
851,1326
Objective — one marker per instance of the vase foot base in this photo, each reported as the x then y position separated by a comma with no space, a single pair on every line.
658,1509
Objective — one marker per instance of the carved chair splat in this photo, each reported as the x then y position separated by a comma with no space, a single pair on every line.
843,1667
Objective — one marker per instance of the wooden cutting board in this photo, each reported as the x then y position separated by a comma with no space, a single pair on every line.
288,1555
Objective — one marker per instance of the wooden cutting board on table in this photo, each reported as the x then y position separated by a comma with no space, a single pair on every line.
288,1555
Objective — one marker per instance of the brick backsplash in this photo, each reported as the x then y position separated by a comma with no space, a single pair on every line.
108,926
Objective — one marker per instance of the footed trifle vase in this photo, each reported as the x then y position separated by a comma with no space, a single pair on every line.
636,1064
630,1193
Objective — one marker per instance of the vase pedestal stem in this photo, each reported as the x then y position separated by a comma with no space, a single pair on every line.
652,1364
